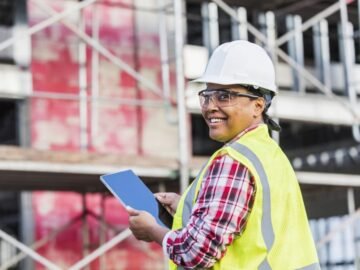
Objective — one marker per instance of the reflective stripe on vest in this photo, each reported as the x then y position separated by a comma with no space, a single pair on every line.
188,202
266,225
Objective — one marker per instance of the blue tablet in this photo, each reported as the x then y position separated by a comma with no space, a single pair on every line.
131,191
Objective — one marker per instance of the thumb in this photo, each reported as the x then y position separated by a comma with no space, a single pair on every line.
131,211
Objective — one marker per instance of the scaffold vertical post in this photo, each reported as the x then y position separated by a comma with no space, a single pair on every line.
322,52
239,27
102,236
347,53
180,91
267,21
95,75
85,228
352,210
210,25
296,50
164,58
83,106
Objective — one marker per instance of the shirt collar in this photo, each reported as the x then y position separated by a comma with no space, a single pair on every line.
242,133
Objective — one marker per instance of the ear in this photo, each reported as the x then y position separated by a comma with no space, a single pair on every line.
259,106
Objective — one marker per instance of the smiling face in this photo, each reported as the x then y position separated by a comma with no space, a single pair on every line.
225,123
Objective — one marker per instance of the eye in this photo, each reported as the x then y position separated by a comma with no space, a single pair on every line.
223,96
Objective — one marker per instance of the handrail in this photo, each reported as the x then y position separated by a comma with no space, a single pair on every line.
36,256
309,23
101,250
40,94
42,25
18,257
341,227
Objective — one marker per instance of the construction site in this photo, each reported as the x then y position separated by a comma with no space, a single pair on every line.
97,86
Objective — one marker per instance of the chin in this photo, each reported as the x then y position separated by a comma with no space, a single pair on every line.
218,138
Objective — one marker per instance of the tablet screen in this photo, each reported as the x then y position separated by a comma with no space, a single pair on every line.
131,191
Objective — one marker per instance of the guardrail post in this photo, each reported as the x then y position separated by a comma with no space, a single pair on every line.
296,50
322,52
239,27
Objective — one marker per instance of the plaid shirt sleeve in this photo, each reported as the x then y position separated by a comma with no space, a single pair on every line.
219,214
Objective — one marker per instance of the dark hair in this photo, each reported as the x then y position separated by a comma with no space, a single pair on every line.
268,96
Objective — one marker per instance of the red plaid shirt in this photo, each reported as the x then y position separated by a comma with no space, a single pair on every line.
220,213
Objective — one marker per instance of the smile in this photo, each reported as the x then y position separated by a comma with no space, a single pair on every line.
216,120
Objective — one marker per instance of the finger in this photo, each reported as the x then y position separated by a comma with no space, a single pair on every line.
132,211
160,196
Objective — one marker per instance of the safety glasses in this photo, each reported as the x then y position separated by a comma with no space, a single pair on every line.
221,97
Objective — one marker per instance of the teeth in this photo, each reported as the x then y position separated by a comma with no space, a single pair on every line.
216,120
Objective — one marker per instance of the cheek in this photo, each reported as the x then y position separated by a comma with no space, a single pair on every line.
242,116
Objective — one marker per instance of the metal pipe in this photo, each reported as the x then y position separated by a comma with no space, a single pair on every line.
267,20
181,105
95,78
164,58
239,27
348,57
42,25
85,228
14,260
83,105
296,50
110,100
232,13
213,26
308,76
347,51
311,22
103,51
210,25
27,225
352,209
322,52
136,65
102,236
339,228
36,256
101,250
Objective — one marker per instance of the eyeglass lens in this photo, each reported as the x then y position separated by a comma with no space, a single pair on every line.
219,98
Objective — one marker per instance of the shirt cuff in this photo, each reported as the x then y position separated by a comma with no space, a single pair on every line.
164,243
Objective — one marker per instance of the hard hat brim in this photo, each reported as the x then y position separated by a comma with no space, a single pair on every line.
232,81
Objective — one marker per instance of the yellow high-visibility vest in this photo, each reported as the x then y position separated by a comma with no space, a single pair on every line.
277,234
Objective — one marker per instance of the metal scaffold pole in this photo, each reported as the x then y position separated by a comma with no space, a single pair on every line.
36,256
95,79
83,88
180,90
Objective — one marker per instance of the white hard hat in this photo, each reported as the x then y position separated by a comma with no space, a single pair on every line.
240,62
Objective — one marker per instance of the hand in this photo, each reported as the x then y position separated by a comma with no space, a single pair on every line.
170,200
141,224
144,226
